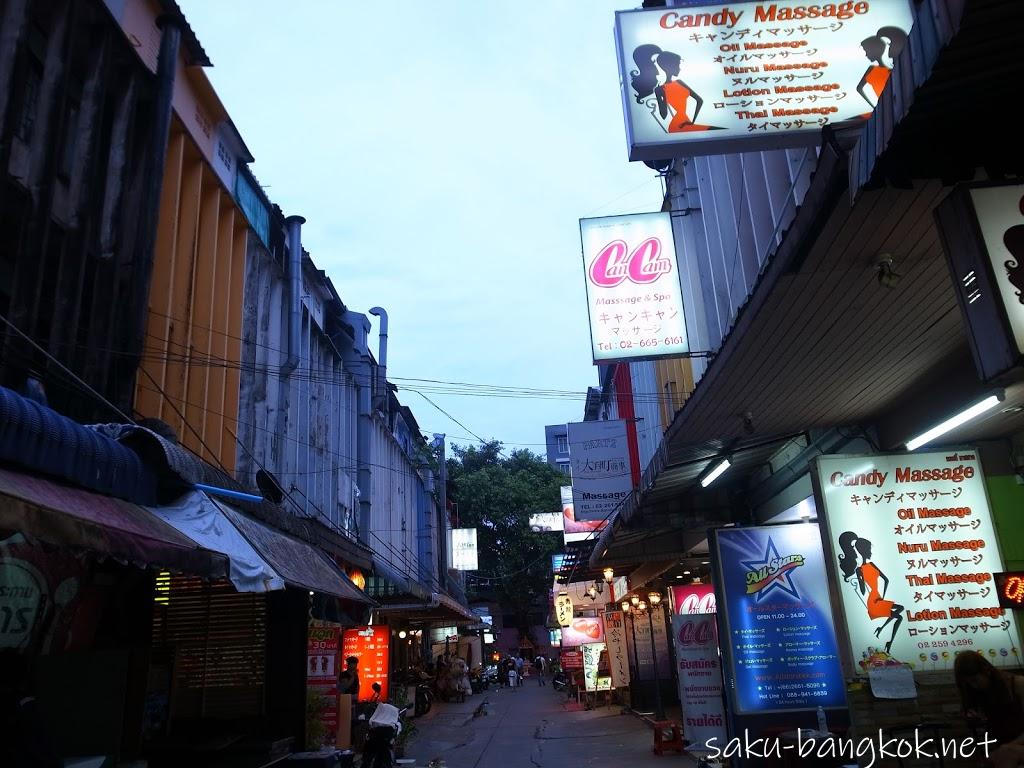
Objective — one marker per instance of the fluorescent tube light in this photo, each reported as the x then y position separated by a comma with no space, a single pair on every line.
950,424
713,475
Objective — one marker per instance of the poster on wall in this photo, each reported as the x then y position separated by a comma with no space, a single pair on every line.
583,630
634,297
618,653
913,550
574,530
714,79
592,663
601,475
322,670
370,646
641,628
695,634
782,649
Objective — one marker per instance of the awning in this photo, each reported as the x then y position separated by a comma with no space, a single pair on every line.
196,516
299,564
440,607
78,519
396,583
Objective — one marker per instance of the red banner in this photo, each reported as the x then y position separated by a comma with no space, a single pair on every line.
370,646
322,666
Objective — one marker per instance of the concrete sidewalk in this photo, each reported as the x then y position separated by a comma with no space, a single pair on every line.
530,727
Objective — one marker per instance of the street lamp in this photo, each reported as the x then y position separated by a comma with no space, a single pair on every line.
659,709
634,679
609,575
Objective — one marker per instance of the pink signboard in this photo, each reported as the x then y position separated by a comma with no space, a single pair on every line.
583,631
693,598
695,632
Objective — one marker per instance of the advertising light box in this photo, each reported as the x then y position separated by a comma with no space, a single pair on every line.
695,634
371,646
464,550
601,474
913,552
782,648
634,296
745,76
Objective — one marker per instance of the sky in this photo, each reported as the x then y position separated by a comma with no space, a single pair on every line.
442,155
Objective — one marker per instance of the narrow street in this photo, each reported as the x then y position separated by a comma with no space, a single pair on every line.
531,728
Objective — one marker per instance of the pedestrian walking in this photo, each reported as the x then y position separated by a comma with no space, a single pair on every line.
538,668
519,669
513,677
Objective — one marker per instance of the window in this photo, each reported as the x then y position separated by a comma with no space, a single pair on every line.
563,443
565,467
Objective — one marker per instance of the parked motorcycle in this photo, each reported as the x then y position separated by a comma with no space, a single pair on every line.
384,727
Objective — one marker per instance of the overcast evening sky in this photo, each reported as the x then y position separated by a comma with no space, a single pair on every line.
442,154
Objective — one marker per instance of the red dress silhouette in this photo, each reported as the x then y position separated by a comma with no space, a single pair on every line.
677,96
877,77
878,607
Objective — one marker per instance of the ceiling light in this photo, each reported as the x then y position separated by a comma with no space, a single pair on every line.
679,577
715,472
705,562
950,424
686,573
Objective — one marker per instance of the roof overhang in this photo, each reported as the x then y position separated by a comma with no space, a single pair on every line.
439,609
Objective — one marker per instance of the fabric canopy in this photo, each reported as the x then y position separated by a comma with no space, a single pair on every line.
72,517
198,517
298,563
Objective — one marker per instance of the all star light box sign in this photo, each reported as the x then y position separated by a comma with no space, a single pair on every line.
633,292
912,550
742,76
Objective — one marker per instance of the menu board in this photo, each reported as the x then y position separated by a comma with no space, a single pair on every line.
571,660
370,646
913,552
781,642
322,670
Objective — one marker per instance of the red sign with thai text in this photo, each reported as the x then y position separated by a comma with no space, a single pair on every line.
371,646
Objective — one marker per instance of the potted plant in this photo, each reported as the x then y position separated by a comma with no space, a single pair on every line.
408,730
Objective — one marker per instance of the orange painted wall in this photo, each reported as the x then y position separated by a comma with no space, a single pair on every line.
189,374
675,383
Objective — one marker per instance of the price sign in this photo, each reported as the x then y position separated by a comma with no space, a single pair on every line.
370,646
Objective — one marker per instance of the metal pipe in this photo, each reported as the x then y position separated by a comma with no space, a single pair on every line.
294,225
382,360
227,493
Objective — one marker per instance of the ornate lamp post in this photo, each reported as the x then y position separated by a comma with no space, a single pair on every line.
659,709
634,679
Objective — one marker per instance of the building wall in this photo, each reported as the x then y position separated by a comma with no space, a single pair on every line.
189,373
647,407
557,458
731,213
394,517
674,381
75,112
300,427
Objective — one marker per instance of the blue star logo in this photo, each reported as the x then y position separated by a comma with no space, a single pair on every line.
783,580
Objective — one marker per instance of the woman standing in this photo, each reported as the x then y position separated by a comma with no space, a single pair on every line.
868,577
999,697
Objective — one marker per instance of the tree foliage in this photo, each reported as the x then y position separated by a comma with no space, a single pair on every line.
496,494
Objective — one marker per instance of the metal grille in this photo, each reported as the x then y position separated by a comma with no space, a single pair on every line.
217,638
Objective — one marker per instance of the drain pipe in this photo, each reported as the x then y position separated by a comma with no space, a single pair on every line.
294,233
382,362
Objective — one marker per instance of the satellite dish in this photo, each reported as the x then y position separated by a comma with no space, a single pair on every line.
269,486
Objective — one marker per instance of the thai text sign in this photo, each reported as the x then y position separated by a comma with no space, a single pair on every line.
711,79
601,476
913,553
781,643
618,653
370,646
322,670
695,634
633,291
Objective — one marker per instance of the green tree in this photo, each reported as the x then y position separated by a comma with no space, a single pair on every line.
496,494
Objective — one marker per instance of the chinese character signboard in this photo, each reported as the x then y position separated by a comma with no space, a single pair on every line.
370,646
322,670
599,451
563,610
982,228
781,647
913,553
464,556
695,634
714,79
618,654
633,291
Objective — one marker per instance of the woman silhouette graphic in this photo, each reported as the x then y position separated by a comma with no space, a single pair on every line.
868,575
656,74
882,49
